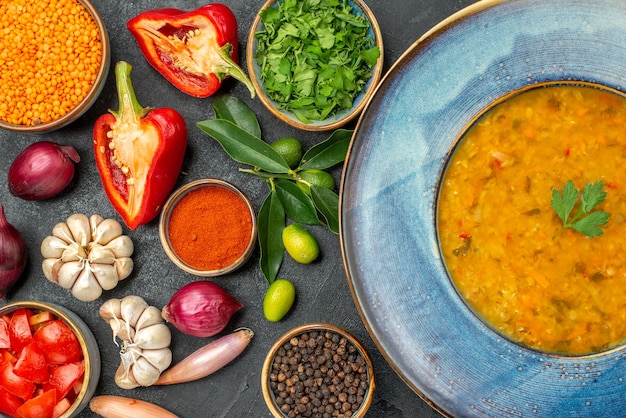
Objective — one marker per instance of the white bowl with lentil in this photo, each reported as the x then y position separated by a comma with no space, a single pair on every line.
318,369
51,74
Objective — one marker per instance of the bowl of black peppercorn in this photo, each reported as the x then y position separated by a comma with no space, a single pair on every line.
318,369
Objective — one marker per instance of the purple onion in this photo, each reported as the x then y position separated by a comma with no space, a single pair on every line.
42,170
13,255
200,308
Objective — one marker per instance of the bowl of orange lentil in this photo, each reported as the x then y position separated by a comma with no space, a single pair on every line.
54,62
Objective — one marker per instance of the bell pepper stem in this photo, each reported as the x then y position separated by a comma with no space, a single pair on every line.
130,109
230,68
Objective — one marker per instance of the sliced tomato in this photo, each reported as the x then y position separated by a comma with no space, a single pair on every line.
64,377
41,406
58,343
9,403
60,408
15,384
19,329
32,364
5,340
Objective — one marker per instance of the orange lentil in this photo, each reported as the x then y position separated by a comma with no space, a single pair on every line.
51,52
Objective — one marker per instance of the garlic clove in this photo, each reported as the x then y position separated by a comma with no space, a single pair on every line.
150,316
122,330
121,246
105,274
107,230
110,309
101,255
124,267
72,253
78,224
125,379
86,287
145,373
61,230
51,268
153,337
68,273
160,358
53,247
132,308
94,221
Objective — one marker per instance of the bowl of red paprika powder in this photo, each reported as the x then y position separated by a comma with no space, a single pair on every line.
208,227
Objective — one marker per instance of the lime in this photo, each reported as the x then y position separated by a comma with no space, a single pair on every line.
300,244
278,299
290,149
317,178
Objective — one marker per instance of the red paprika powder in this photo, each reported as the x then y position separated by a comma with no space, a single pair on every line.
210,227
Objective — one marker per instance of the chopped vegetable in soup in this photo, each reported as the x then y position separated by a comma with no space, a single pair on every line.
550,288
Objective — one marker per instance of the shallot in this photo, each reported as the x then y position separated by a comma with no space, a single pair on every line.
200,309
42,170
208,359
110,406
13,255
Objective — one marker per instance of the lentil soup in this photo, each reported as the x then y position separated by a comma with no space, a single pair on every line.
562,294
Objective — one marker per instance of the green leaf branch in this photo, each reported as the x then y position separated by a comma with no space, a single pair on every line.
236,128
584,220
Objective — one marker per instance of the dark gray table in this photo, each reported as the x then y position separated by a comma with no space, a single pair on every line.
323,293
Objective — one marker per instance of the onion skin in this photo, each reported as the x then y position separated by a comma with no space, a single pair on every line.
42,170
110,406
208,359
200,309
13,255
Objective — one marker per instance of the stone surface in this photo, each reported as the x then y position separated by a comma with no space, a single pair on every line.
323,294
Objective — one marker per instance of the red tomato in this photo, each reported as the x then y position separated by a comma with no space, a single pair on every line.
5,340
40,406
13,383
9,403
63,377
60,408
58,342
19,329
32,364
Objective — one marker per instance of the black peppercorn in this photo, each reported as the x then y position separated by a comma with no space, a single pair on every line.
318,374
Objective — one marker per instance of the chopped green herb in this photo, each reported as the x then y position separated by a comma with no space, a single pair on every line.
315,56
584,221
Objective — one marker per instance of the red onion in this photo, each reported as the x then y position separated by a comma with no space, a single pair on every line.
13,255
42,170
201,309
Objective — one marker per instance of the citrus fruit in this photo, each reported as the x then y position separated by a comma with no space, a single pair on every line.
300,244
278,299
290,149
317,178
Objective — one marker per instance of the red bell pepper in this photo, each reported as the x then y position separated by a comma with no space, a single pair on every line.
195,51
139,153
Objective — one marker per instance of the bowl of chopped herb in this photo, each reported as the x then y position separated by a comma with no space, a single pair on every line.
56,79
313,65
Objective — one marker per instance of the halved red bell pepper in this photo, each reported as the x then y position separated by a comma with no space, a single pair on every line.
195,51
139,153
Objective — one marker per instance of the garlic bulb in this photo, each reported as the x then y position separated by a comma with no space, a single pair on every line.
145,338
87,255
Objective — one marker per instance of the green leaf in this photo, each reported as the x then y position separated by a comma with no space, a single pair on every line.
298,205
584,221
327,203
329,152
592,196
271,222
244,147
237,111
563,202
590,224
